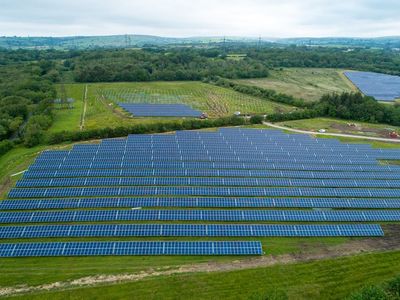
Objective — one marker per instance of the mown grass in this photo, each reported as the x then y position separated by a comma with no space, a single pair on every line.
69,119
14,161
323,279
305,83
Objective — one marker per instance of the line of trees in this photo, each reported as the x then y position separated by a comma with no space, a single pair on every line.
158,127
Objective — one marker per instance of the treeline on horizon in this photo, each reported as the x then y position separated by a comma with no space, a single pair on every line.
194,63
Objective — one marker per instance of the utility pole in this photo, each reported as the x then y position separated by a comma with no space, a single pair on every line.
126,41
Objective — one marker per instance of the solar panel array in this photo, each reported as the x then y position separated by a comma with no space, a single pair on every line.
198,230
159,110
159,183
380,86
129,248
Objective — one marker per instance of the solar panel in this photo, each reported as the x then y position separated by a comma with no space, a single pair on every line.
193,230
37,204
203,191
206,181
201,215
130,248
230,168
380,86
159,110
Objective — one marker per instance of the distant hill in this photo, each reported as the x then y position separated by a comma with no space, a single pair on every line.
108,41
132,40
379,42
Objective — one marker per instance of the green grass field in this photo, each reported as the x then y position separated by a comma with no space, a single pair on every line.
102,109
305,83
323,279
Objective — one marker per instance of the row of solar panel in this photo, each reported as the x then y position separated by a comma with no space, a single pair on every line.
236,143
202,215
193,230
130,248
201,191
223,147
30,174
166,158
207,153
240,149
220,142
198,202
204,181
217,153
120,157
217,165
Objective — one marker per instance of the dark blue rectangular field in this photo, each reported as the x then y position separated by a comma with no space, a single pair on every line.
380,86
160,110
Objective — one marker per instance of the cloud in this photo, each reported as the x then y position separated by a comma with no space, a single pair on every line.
267,18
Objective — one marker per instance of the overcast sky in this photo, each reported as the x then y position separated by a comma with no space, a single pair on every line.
182,18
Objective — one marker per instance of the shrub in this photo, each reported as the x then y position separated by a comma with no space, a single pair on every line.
257,119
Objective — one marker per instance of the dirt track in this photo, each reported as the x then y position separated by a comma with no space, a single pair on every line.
391,241
333,134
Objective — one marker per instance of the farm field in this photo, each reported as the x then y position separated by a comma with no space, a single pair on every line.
341,126
305,83
102,98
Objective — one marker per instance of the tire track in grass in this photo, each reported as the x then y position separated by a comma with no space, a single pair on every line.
82,123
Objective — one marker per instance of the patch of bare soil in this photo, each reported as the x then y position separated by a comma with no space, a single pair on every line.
344,128
391,241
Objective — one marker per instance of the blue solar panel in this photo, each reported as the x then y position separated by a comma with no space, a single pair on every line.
229,168
380,86
31,174
201,215
204,191
159,110
130,248
37,204
193,230
206,181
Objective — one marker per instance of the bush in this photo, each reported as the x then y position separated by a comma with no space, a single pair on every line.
393,287
296,115
257,119
370,293
5,146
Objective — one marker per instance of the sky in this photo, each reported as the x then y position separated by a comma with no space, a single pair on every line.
188,18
